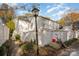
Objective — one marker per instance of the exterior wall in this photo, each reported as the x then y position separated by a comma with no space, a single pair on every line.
77,34
70,32
67,28
61,35
4,33
46,29
44,37
27,29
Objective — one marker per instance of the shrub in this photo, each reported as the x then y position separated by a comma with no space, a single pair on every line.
28,49
2,52
70,41
3,48
23,47
55,45
27,46
59,41
17,37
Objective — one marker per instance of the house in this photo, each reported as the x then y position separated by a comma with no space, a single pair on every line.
4,32
70,24
5,11
25,26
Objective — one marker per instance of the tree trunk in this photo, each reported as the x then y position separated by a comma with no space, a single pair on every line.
9,50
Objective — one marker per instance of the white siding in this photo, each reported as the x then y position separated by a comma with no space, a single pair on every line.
44,25
4,33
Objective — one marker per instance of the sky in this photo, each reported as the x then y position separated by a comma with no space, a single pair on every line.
53,10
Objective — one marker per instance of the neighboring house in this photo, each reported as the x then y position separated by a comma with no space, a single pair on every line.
72,33
70,23
4,32
76,25
5,11
25,26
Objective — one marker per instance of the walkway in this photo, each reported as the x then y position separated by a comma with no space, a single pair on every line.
73,50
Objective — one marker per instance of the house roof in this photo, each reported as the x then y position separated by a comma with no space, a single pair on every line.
31,15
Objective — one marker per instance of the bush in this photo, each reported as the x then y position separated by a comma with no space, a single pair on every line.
17,37
55,45
70,41
59,41
28,49
23,47
3,48
2,52
27,46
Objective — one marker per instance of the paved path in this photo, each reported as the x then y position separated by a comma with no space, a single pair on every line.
73,50
76,49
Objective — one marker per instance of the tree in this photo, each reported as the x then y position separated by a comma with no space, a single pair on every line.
11,25
61,22
7,14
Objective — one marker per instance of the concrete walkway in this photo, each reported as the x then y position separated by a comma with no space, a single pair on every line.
75,46
73,50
